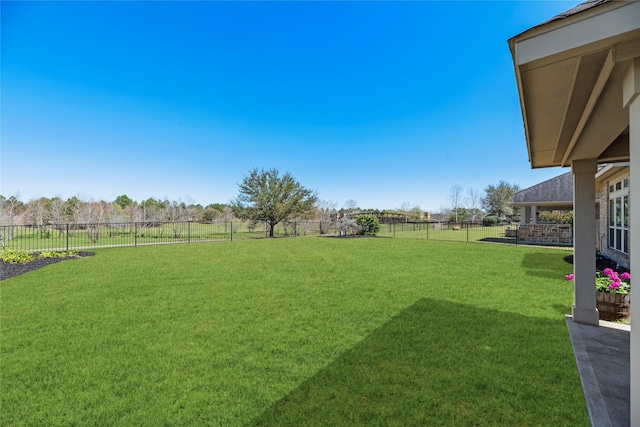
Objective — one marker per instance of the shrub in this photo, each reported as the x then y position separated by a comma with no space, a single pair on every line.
559,217
57,254
368,224
491,221
15,256
346,225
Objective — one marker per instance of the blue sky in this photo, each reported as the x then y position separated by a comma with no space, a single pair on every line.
383,103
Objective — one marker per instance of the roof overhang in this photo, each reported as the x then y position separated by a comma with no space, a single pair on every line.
610,170
569,74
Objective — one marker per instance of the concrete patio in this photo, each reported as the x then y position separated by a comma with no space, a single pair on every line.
602,357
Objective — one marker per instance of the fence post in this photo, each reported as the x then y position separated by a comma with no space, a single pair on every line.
188,231
135,234
428,226
467,231
232,231
67,237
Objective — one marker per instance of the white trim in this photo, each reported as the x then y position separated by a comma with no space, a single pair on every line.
591,29
607,170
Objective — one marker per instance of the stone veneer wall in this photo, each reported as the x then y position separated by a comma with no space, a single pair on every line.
546,233
603,218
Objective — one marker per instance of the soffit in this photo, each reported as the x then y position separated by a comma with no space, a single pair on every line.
571,99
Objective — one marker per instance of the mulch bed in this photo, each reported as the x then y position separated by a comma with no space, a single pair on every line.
10,269
602,263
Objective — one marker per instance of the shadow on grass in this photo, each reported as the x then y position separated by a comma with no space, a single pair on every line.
505,240
439,363
544,264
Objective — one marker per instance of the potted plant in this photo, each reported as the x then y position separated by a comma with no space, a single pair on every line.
613,297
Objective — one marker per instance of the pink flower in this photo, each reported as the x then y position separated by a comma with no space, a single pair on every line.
614,285
625,276
608,271
569,276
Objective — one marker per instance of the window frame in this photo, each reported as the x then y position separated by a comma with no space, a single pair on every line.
618,216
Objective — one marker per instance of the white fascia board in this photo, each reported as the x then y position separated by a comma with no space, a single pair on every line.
571,33
610,169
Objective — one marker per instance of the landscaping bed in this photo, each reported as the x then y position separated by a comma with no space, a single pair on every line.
13,269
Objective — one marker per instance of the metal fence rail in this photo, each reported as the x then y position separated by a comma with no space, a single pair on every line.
465,231
452,231
64,237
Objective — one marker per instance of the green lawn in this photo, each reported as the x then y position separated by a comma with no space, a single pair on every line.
474,233
304,331
51,237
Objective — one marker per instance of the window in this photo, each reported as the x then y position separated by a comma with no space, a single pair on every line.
619,216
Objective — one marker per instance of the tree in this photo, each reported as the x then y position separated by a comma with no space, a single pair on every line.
350,207
10,209
37,211
368,224
498,199
267,196
123,201
473,203
326,210
455,197
416,214
405,207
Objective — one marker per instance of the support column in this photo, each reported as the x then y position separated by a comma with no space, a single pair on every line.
534,214
584,256
631,100
524,218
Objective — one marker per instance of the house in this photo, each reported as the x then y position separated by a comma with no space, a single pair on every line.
578,78
552,195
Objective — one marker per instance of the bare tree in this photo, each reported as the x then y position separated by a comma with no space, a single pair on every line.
133,212
227,216
90,215
473,202
177,213
326,210
37,211
58,214
455,198
350,207
11,210
405,207
347,226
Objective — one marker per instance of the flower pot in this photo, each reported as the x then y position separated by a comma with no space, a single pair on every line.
613,306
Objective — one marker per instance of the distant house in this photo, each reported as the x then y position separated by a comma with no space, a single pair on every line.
555,194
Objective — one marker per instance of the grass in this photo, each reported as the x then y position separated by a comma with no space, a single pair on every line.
310,331
464,234
48,237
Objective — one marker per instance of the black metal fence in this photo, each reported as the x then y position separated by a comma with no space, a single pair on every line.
469,231
63,237
452,231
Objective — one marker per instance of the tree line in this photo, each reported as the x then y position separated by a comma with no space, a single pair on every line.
471,205
264,196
